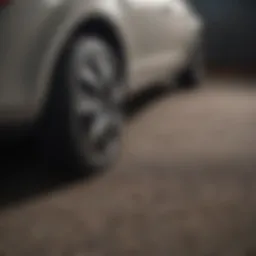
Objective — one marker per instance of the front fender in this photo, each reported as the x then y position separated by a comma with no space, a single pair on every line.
57,31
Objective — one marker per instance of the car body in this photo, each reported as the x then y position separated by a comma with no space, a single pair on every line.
154,39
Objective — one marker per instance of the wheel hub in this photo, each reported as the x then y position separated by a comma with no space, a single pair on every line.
96,105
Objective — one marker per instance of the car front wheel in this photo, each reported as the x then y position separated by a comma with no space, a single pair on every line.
83,121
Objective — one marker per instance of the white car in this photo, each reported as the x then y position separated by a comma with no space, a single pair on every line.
66,65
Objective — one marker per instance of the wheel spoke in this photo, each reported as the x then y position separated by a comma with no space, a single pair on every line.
106,69
103,133
95,94
89,77
118,93
87,106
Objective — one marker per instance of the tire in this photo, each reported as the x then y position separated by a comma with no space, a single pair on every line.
192,75
82,124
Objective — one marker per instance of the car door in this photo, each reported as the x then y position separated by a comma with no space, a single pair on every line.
175,24
184,22
144,19
179,18
162,25
148,22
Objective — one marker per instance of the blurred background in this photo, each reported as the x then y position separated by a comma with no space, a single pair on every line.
230,32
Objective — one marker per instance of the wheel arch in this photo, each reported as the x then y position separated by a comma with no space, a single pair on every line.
95,23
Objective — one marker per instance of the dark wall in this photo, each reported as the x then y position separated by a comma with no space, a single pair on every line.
230,30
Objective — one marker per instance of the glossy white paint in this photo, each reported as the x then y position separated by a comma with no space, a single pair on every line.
157,36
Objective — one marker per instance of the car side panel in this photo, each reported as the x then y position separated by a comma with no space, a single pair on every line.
33,34
149,23
23,45
26,67
184,33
